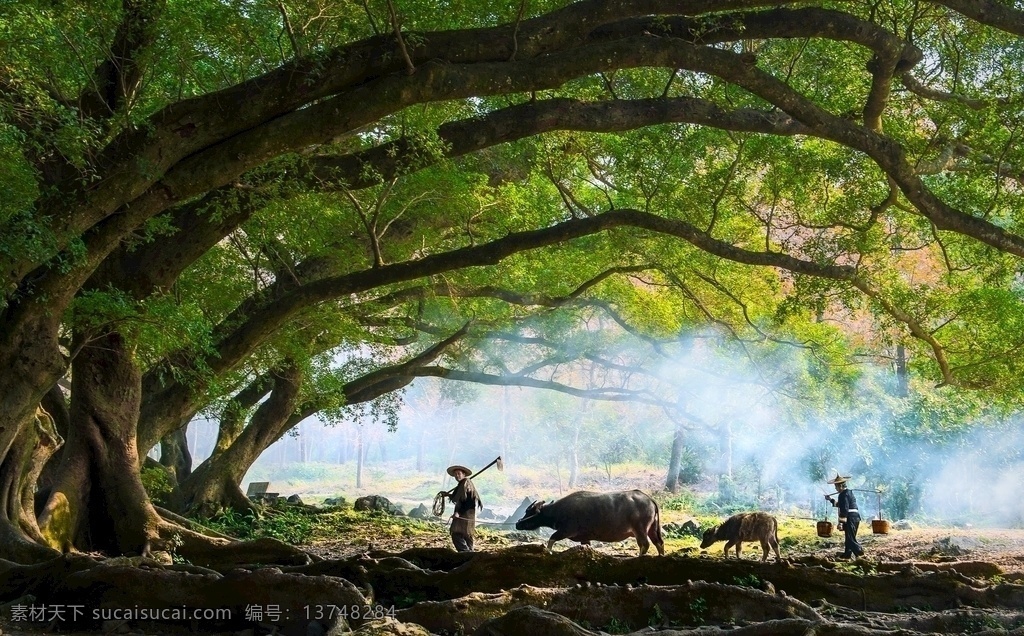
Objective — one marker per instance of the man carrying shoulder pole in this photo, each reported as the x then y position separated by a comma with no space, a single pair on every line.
849,516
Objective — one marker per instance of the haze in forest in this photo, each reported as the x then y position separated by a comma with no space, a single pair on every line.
744,449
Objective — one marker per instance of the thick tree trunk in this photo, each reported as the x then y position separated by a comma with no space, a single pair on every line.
174,454
215,483
21,539
30,364
98,493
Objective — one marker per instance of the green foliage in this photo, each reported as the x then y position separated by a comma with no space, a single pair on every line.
158,484
286,523
616,626
902,500
684,500
698,609
657,617
691,465
748,580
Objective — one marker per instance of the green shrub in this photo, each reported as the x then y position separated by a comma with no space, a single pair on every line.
287,524
683,500
158,484
691,466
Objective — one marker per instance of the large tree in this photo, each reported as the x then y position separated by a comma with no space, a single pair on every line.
824,144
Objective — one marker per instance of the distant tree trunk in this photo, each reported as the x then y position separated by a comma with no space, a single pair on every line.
194,444
574,456
902,376
727,449
453,426
505,425
303,444
574,450
359,456
675,459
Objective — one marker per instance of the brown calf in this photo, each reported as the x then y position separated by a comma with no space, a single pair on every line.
746,526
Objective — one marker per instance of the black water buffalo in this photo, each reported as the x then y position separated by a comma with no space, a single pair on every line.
598,516
746,526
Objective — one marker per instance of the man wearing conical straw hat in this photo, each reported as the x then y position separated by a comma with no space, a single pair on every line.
849,516
466,502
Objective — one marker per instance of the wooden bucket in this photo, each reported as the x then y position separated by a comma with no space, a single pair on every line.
880,526
824,528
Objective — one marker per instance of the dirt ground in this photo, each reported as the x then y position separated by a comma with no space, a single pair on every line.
1003,547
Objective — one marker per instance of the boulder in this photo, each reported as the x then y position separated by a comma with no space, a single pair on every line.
690,527
521,510
335,501
420,512
902,524
377,502
295,499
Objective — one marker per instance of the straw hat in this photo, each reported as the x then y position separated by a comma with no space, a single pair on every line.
452,469
838,480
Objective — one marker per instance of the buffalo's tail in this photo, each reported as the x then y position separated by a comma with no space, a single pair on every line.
655,533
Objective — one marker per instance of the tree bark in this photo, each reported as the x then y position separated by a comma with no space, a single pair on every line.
98,492
30,365
215,483
21,539
174,454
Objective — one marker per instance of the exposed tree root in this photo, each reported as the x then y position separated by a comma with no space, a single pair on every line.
122,584
446,592
185,522
394,580
692,603
390,627
222,554
537,622
401,580
950,622
18,580
14,545
969,569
